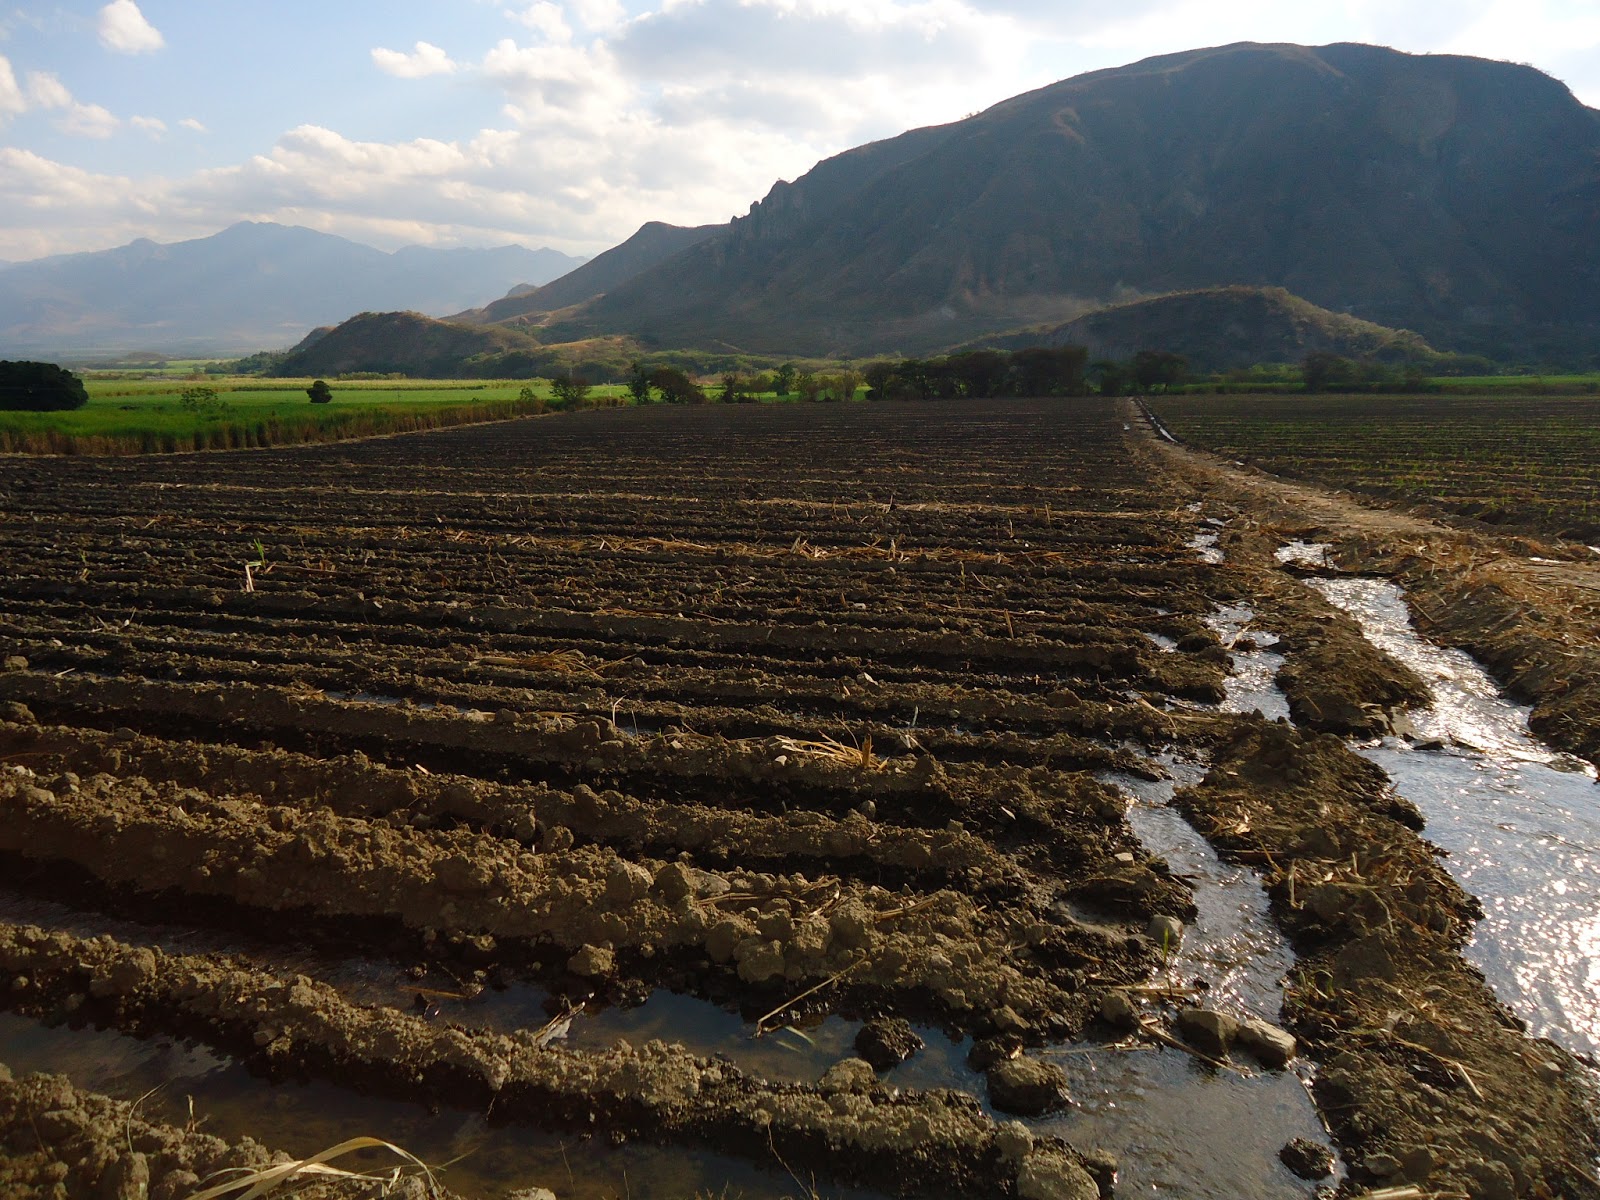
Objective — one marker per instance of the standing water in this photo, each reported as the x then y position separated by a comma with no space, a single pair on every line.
1520,821
1183,1129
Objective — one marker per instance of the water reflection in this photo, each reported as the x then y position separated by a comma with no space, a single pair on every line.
1159,1109
1521,823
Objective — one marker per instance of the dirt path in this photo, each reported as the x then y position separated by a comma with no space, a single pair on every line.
1520,606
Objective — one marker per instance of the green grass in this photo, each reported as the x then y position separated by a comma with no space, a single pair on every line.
1523,384
144,415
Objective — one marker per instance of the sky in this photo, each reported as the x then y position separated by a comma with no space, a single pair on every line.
569,123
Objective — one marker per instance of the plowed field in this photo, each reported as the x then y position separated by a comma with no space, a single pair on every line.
792,710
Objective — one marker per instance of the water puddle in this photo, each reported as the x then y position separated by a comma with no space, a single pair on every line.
1161,1111
1205,545
1233,946
793,1055
1251,685
1521,823
1304,554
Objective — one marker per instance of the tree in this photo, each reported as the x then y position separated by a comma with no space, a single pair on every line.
882,380
570,391
1158,369
1110,377
783,381
979,373
639,383
1049,371
676,387
1322,370
320,392
39,387
848,382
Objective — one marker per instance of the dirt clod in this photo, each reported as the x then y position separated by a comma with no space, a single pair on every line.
1307,1159
887,1042
1028,1087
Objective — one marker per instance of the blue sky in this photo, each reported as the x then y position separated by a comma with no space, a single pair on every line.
568,123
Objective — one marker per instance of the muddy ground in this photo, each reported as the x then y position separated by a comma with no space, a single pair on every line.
796,710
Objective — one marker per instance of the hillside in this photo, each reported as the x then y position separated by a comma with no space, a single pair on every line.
1449,195
653,243
404,342
248,287
1217,329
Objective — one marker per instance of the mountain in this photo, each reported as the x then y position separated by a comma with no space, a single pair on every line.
1453,196
1218,329
249,286
654,243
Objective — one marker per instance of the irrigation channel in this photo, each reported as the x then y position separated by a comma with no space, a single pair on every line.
579,802
1520,821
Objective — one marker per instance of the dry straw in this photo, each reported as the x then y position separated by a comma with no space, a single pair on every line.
269,1179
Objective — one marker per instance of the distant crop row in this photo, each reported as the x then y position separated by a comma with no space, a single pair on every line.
1524,462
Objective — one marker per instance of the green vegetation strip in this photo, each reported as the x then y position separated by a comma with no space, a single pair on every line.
144,416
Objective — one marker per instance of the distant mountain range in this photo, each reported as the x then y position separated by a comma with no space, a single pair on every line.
655,242
1452,196
249,287
1414,202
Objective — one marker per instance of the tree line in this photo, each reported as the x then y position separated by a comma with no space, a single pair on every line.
1035,371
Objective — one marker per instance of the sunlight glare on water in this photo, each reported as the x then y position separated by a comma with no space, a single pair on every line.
1521,823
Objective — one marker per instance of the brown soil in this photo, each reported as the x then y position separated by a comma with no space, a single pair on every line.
797,710
60,1142
1418,1058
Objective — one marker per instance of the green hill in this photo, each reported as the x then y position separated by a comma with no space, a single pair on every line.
407,343
1218,329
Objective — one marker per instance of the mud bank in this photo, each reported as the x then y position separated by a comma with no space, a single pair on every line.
925,1143
60,1142
587,912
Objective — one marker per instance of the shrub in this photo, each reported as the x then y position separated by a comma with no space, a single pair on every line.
320,392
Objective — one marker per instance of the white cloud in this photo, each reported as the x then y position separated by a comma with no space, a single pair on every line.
599,15
123,28
12,101
89,120
195,124
425,60
154,126
46,90
547,19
